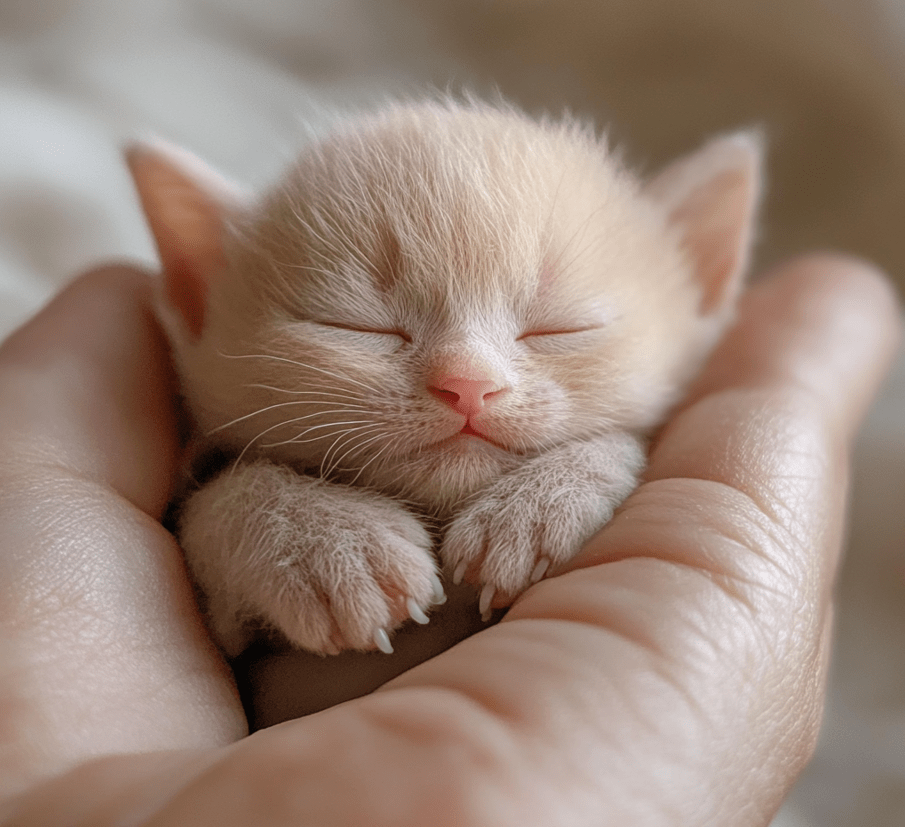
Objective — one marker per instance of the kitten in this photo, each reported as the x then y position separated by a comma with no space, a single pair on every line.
444,315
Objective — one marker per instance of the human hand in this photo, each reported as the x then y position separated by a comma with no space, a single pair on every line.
101,648
673,676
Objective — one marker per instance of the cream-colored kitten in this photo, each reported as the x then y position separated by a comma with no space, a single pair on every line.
445,315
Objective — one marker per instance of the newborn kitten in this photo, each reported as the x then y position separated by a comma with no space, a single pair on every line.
444,315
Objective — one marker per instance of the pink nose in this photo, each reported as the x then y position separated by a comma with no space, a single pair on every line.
467,396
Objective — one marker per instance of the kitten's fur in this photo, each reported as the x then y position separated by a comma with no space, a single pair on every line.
444,311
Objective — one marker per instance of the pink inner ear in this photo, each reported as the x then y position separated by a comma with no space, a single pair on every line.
191,250
716,222
187,293
710,197
186,218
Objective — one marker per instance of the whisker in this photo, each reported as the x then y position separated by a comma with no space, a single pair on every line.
394,439
304,393
351,451
340,436
326,465
283,405
372,459
280,425
296,439
251,442
298,365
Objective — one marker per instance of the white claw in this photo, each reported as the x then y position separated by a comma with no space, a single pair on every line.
486,599
540,569
439,596
459,573
382,641
415,612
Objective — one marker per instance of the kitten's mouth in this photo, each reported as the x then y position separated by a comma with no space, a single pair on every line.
469,431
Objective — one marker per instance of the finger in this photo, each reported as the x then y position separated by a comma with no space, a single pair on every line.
819,323
102,646
87,385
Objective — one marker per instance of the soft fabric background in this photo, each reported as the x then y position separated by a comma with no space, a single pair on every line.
243,83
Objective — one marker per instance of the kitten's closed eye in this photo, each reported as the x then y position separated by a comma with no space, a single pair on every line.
557,332
374,339
556,340
372,330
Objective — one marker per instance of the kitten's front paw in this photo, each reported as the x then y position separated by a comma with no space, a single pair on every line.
509,539
537,517
374,571
330,567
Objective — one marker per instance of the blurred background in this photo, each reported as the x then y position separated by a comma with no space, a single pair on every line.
244,83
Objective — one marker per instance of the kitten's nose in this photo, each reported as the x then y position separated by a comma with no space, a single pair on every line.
467,396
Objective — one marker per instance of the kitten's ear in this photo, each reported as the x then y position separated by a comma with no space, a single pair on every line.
187,205
711,198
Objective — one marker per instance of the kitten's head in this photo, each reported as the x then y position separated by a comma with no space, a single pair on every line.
436,291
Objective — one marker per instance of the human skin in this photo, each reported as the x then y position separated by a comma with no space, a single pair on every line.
674,675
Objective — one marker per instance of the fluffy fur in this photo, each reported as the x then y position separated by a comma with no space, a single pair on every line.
444,314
